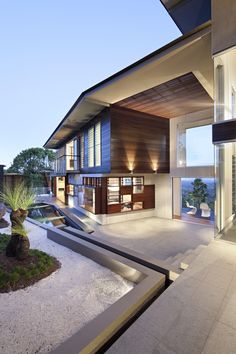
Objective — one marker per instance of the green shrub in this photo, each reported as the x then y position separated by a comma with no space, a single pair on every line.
14,277
39,264
4,239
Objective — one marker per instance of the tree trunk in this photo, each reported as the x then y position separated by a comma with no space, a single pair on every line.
16,246
22,249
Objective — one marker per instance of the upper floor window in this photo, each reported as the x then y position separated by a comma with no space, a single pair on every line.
91,147
98,144
199,147
70,155
94,145
195,148
81,148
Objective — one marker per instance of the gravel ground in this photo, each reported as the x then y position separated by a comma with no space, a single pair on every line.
38,318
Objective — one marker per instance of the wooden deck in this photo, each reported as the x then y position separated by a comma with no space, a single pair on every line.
194,219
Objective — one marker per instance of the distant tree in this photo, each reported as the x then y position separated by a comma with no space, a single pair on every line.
33,163
199,193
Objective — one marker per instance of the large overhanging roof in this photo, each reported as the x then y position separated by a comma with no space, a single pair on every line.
177,97
189,53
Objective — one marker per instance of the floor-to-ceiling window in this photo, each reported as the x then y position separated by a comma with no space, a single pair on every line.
225,103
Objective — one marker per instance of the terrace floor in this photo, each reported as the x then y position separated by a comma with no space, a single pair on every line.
196,314
159,238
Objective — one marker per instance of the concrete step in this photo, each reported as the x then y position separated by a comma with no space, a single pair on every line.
178,256
172,259
186,261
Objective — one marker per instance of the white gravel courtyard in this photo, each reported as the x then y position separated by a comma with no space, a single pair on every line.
38,318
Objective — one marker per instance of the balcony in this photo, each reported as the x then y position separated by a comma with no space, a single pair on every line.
66,163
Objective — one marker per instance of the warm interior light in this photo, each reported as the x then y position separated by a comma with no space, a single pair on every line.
154,165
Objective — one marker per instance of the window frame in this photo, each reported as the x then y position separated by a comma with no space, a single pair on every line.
95,145
181,155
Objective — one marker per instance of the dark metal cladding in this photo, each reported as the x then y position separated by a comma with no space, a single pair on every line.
224,132
188,14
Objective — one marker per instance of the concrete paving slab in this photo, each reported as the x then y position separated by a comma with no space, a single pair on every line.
194,315
222,340
160,238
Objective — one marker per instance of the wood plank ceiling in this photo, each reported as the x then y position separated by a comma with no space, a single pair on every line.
171,99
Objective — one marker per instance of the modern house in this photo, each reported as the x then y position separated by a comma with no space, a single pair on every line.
125,145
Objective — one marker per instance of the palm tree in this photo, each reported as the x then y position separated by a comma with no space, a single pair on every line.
18,198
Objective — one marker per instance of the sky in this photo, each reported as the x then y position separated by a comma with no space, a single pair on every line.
53,50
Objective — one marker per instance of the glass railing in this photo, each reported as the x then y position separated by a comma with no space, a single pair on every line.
66,163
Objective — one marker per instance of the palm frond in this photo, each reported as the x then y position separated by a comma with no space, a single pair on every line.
18,197
27,198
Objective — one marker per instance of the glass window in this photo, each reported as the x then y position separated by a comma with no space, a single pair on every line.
138,189
126,198
199,147
82,151
113,182
89,199
137,180
91,147
70,155
120,190
70,189
86,198
138,206
126,207
98,144
126,181
113,199
113,190
81,196
94,145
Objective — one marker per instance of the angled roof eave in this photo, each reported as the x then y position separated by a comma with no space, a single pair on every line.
84,101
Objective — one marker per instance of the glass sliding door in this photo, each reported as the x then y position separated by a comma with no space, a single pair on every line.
225,103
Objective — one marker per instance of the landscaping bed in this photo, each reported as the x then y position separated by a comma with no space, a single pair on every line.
39,317
16,274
